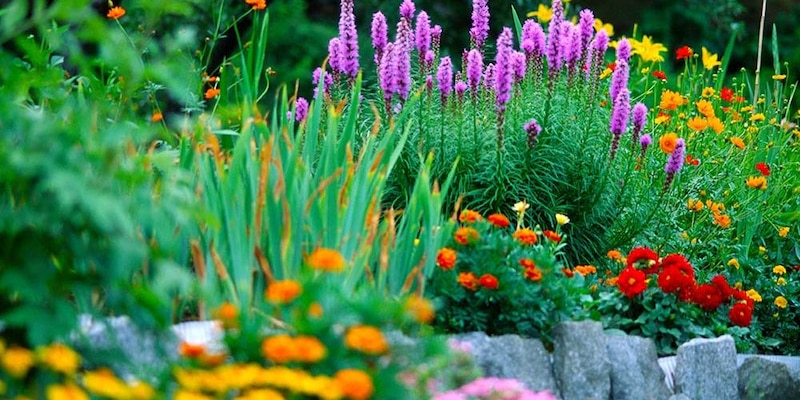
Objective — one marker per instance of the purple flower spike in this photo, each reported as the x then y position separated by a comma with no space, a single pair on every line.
386,72
575,47
474,70
645,141
675,162
586,24
480,23
619,118
600,42
460,88
444,78
518,66
326,86
532,129
335,55
533,38
407,9
423,33
554,60
639,118
349,38
623,50
301,109
619,79
427,60
489,76
380,35
504,74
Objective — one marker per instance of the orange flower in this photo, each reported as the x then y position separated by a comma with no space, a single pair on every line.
156,117
488,281
468,280
191,350
355,384
568,272
527,263
257,4
705,107
694,205
498,220
420,309
469,217
716,124
722,220
228,314
366,339
309,349
282,292
586,269
115,12
526,236
671,100
533,274
667,142
697,123
315,310
279,349
757,182
466,235
738,142
614,255
555,237
60,358
211,93
326,260
446,258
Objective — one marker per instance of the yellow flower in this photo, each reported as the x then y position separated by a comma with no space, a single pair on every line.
17,361
562,219
757,117
694,205
104,383
142,391
190,395
783,231
716,124
757,182
697,123
66,392
753,294
779,270
710,60
599,26
606,72
781,282
779,77
781,302
59,358
366,339
520,206
355,384
738,142
544,13
733,263
647,50
326,260
708,92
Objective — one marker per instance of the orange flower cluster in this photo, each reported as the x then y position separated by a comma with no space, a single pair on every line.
324,259
281,349
531,271
526,236
469,217
257,4
420,309
466,235
498,220
446,258
366,339
282,292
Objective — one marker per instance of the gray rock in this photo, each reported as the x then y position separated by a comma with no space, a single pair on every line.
706,369
635,372
510,356
761,379
580,361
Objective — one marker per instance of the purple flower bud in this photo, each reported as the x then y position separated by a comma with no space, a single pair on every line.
461,88
532,129
554,60
427,60
335,55
639,117
300,109
586,24
489,76
518,66
386,72
645,141
533,38
600,42
474,69
402,70
575,46
480,23
429,83
380,34
444,77
436,34
349,40
503,67
407,9
423,33
675,162
623,50
619,79
621,112
326,86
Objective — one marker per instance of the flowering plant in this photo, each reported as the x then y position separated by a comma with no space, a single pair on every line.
497,278
494,389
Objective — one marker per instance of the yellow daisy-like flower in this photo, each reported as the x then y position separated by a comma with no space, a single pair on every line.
543,13
710,60
738,142
757,182
779,270
647,50
562,219
66,392
705,107
697,123
781,281
707,92
757,117
783,231
781,302
753,294
17,361
716,124
733,263
59,358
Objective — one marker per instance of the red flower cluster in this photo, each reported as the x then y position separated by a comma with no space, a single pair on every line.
552,236
660,75
531,271
498,220
763,168
683,52
726,94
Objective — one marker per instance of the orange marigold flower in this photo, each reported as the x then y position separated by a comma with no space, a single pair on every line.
498,220
469,217
17,361
420,309
568,272
738,142
309,349
527,263
586,269
526,236
282,292
468,280
115,12
355,384
722,220
671,100
614,255
279,349
716,124
555,237
326,260
697,123
667,142
533,274
366,339
757,182
446,258
211,93
466,235
488,281
705,107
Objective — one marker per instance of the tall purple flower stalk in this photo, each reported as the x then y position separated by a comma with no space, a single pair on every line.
335,55
407,9
645,141
460,89
423,35
554,60
326,85
436,39
623,50
534,44
380,35
597,52
402,51
386,70
518,66
503,83
480,24
586,26
444,79
532,130
575,50
639,119
474,71
349,39
675,162
489,76
619,79
619,118
300,109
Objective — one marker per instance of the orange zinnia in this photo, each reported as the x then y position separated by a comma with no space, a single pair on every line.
526,236
326,260
446,258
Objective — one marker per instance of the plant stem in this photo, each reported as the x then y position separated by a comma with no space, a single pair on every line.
760,47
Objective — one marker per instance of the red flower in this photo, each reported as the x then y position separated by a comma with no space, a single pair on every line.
660,75
741,314
722,284
498,220
612,66
467,280
691,160
726,94
708,296
680,262
763,168
568,272
466,235
534,274
642,258
446,258
527,263
671,280
683,52
552,236
488,281
631,282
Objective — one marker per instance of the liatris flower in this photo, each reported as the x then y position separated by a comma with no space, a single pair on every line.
386,76
575,49
534,44
619,79
300,109
639,120
586,26
503,70
429,84
349,40
619,118
623,50
326,86
554,61
675,162
598,49
480,23
335,55
402,57
518,66
460,88
423,33
474,71
533,129
444,78
407,9
380,34
427,61
489,76
436,38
